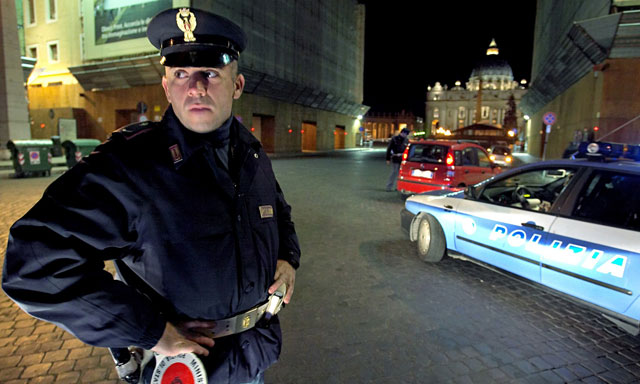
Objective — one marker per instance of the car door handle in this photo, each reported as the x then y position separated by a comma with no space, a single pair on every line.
447,206
533,225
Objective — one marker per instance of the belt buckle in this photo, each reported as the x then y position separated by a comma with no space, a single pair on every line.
247,320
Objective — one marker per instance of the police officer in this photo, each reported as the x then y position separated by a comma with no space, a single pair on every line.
188,208
394,155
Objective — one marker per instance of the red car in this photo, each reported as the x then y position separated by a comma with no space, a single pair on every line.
434,164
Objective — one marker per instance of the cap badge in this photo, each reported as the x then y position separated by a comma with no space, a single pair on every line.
186,21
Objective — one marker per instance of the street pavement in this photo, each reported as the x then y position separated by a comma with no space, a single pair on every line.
365,308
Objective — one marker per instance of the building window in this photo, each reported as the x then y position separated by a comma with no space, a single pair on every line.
54,55
32,51
485,112
461,112
436,112
30,12
51,10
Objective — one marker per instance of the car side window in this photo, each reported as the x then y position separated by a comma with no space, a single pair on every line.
468,157
609,198
483,159
534,190
458,157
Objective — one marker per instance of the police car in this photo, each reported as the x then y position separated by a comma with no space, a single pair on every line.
572,225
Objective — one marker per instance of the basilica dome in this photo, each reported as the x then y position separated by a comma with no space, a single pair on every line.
494,72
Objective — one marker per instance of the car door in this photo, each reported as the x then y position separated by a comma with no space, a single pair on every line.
476,166
594,253
496,228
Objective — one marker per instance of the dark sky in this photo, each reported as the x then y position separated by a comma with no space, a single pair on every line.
412,44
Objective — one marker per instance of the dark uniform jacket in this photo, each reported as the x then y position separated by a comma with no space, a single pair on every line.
204,239
395,148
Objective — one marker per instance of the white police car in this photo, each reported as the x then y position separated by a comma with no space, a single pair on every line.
571,225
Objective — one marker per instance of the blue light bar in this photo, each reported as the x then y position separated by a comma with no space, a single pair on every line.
602,150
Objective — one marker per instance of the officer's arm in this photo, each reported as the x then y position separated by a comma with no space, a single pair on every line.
289,246
55,258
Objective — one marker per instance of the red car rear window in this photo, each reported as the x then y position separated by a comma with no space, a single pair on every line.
428,153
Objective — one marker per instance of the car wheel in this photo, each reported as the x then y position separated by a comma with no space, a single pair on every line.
431,241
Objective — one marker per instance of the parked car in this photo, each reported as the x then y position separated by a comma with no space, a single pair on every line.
433,164
501,155
571,225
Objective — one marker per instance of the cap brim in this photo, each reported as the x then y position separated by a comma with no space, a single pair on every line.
215,58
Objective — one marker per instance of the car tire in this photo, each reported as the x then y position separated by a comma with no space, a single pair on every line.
430,242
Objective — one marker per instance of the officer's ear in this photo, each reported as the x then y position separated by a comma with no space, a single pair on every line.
166,88
239,86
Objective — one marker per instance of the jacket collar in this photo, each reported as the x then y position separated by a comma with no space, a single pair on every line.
181,143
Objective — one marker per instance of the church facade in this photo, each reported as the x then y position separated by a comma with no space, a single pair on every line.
488,97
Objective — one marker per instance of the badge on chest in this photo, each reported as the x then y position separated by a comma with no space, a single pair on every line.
266,211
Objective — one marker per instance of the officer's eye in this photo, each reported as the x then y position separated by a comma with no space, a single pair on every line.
210,74
180,74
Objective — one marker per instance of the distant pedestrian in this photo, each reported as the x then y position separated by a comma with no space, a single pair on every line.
394,155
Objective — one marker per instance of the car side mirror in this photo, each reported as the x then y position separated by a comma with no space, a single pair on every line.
470,191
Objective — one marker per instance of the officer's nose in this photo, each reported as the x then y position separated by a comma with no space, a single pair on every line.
197,85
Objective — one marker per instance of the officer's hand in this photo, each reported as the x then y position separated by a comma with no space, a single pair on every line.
388,162
184,338
284,274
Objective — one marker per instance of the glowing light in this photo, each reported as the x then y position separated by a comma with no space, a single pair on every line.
449,159
511,133
442,131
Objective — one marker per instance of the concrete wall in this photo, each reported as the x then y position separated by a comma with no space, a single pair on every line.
318,44
104,111
574,111
289,119
607,97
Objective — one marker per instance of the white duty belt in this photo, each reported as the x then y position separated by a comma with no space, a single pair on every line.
248,320
188,366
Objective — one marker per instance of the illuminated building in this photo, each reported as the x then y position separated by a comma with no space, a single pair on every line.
483,103
97,71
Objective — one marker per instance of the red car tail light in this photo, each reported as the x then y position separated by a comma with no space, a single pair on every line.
449,159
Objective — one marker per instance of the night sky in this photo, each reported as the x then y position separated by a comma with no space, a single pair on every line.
412,44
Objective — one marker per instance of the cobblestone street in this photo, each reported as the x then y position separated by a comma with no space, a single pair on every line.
365,308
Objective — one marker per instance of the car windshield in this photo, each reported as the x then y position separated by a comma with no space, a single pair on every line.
428,153
500,151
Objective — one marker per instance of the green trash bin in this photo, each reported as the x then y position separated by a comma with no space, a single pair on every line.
31,157
75,150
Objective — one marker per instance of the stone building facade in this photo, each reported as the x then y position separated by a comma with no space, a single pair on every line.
303,67
482,100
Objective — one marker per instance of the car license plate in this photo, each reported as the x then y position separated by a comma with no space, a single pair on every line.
421,173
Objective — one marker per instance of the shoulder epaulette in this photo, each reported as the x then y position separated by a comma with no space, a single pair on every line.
130,131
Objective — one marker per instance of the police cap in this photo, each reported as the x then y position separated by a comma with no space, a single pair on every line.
189,37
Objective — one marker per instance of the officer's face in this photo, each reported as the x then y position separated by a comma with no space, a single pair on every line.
202,97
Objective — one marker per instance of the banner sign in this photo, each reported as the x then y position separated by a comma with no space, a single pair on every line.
115,28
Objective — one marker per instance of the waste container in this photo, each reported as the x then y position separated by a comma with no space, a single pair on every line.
75,150
31,157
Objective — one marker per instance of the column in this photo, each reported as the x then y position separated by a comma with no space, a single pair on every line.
14,115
